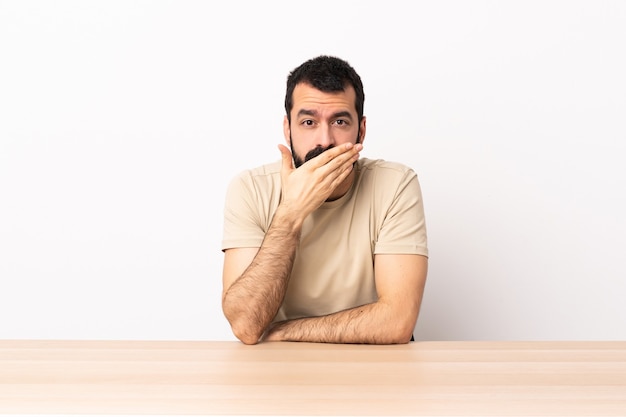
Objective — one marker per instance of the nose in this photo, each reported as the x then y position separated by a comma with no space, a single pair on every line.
325,137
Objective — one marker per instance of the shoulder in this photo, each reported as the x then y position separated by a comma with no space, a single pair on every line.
260,171
263,174
387,180
382,170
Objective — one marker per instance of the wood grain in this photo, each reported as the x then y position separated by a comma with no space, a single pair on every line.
228,378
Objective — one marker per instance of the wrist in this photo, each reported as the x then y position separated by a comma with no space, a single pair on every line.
289,217
273,333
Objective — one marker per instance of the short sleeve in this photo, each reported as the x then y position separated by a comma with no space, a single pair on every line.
242,223
404,227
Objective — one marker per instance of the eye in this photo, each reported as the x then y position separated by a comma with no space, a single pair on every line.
341,122
307,122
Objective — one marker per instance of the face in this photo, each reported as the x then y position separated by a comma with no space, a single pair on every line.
320,121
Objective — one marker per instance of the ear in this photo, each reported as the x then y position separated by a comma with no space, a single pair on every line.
362,132
286,131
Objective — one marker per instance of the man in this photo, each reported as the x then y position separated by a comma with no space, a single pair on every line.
322,246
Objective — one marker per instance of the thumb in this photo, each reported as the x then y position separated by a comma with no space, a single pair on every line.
286,158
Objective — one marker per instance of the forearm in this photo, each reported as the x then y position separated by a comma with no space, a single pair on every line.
375,323
253,300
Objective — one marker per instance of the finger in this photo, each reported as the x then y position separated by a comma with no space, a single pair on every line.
329,155
287,160
340,175
336,172
338,153
344,160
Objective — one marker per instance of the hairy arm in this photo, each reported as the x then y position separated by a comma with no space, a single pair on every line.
251,301
255,280
400,281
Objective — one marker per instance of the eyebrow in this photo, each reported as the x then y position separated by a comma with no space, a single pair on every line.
343,113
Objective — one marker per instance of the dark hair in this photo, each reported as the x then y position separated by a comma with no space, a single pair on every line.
328,74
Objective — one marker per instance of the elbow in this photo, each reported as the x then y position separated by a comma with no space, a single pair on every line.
240,325
405,338
243,328
248,341
394,335
401,337
246,335
403,333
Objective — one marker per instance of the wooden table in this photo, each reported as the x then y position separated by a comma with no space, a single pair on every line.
229,378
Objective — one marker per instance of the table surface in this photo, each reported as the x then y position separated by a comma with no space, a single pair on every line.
228,378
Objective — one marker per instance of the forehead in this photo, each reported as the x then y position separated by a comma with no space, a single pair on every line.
308,97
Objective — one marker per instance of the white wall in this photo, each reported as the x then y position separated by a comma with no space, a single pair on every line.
121,123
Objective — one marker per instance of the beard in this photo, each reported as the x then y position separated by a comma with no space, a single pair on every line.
318,150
